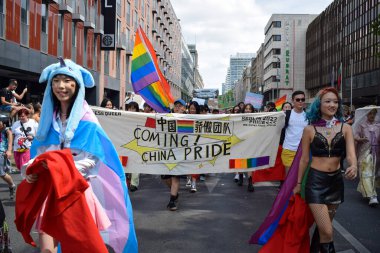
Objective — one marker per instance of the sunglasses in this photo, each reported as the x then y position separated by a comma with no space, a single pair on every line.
299,100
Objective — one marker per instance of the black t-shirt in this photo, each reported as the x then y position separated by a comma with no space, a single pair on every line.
7,94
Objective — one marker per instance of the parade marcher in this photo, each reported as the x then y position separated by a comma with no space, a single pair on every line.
106,103
347,115
248,108
327,139
237,178
173,181
6,140
8,98
24,131
367,137
286,106
68,124
194,108
37,112
295,122
135,177
241,106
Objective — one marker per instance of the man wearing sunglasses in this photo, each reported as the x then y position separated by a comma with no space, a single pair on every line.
295,122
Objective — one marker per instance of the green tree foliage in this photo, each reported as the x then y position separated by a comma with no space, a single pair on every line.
375,26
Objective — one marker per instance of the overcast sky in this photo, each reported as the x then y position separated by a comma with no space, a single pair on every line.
221,28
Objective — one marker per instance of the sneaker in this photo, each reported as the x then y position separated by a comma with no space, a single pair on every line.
172,205
193,187
133,188
188,184
236,178
12,192
373,201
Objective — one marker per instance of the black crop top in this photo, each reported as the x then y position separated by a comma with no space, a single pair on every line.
320,147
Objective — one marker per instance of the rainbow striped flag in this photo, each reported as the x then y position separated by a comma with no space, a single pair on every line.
185,126
249,162
147,79
279,102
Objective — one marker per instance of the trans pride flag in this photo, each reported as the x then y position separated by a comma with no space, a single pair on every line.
147,79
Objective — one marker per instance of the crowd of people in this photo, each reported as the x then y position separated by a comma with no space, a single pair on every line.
331,149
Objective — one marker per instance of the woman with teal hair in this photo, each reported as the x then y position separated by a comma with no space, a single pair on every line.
327,139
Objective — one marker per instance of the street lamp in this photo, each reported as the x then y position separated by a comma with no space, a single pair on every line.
278,75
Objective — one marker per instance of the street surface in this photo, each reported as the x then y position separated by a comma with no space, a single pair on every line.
219,218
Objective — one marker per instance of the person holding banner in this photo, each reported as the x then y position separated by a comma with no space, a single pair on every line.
173,181
68,124
327,139
134,177
194,108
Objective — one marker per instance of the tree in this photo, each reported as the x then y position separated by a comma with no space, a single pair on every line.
375,26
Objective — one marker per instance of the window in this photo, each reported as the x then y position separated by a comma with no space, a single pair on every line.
44,16
2,5
128,12
276,24
60,27
24,11
276,37
74,35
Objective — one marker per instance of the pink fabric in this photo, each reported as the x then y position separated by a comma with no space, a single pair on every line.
97,211
21,158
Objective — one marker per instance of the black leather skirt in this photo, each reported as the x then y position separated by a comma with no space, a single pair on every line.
324,187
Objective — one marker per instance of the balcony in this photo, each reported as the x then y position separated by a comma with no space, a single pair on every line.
65,6
89,23
99,28
50,1
78,11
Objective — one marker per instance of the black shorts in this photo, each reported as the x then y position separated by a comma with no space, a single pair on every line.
324,187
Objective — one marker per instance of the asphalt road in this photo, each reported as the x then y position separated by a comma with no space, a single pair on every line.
219,218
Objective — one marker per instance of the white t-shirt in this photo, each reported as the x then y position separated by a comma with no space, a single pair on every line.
20,142
293,133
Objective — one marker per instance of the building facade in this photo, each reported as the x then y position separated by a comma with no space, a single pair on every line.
237,64
258,71
187,72
342,36
284,54
33,33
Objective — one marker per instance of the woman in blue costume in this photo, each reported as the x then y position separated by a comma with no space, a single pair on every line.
68,122
328,139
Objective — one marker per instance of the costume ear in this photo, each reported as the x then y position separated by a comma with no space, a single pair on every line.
46,72
88,79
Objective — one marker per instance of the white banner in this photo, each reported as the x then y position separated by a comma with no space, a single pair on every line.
180,144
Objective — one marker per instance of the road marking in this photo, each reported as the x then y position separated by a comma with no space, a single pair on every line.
350,238
346,251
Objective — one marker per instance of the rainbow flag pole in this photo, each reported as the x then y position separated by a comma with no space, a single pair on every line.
279,102
147,79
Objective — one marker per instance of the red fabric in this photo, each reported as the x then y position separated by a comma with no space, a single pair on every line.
66,217
292,234
275,173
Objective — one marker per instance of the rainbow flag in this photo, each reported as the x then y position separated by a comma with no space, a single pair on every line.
147,79
279,102
185,126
